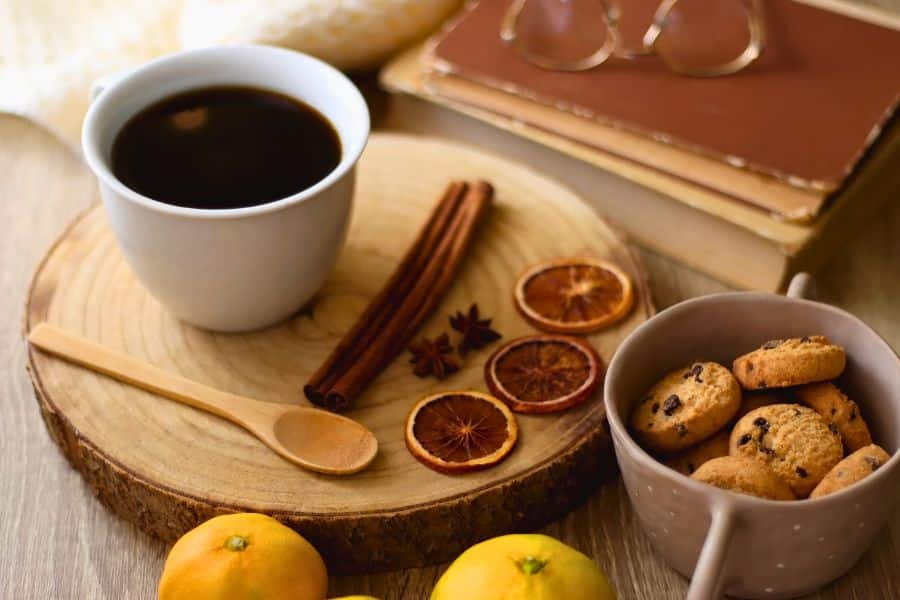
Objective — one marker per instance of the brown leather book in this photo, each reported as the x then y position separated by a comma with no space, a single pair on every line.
804,114
731,241
695,172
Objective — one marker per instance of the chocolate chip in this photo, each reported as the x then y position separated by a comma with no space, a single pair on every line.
763,430
771,344
805,339
744,439
853,414
833,410
681,429
650,424
797,412
802,472
749,366
655,408
874,463
671,404
833,428
695,372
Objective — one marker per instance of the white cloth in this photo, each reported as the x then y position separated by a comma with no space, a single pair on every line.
350,34
52,50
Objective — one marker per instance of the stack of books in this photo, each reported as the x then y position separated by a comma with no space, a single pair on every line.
765,172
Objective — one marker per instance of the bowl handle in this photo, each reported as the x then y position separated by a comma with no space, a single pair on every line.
802,285
707,581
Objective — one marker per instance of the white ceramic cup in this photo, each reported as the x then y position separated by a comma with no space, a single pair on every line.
234,269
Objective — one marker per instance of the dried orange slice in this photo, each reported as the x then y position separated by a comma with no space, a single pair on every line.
455,432
544,373
574,295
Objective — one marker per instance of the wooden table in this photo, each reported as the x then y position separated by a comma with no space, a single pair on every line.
58,542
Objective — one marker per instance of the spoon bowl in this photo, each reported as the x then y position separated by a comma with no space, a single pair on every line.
312,434
312,438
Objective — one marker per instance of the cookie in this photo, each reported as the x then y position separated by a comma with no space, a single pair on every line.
839,410
687,406
758,399
744,476
783,363
855,467
690,460
793,440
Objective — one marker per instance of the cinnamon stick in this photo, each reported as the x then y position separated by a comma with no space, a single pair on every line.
379,311
422,299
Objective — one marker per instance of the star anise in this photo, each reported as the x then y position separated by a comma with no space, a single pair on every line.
433,357
476,332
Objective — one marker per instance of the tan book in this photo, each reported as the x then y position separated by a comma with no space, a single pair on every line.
804,115
730,240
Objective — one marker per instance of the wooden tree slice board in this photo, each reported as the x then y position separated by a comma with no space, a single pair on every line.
167,467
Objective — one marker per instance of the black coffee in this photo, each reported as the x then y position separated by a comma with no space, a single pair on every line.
225,147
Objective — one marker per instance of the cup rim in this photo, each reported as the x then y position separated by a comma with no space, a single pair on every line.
351,147
622,437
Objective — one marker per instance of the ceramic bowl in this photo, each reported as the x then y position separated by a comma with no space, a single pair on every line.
741,545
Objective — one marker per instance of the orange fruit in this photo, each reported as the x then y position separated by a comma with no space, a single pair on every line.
544,373
574,295
455,432
243,556
522,567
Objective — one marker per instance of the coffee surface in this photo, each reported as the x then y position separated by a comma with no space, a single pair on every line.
225,147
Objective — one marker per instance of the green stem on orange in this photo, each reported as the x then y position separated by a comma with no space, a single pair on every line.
236,543
532,565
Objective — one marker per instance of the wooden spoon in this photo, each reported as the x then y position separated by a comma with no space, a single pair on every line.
312,438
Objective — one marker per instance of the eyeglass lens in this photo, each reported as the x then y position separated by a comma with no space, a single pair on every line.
697,35
703,34
562,31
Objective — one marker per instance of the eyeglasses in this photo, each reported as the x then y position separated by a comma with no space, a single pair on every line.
699,38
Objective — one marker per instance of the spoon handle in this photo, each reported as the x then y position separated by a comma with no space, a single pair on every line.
132,371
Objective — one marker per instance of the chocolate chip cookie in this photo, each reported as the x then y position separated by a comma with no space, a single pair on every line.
745,476
795,441
839,410
690,460
687,406
855,467
795,361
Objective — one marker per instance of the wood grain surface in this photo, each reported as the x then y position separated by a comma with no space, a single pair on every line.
167,467
60,543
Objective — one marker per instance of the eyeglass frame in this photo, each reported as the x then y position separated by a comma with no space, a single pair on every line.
755,45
